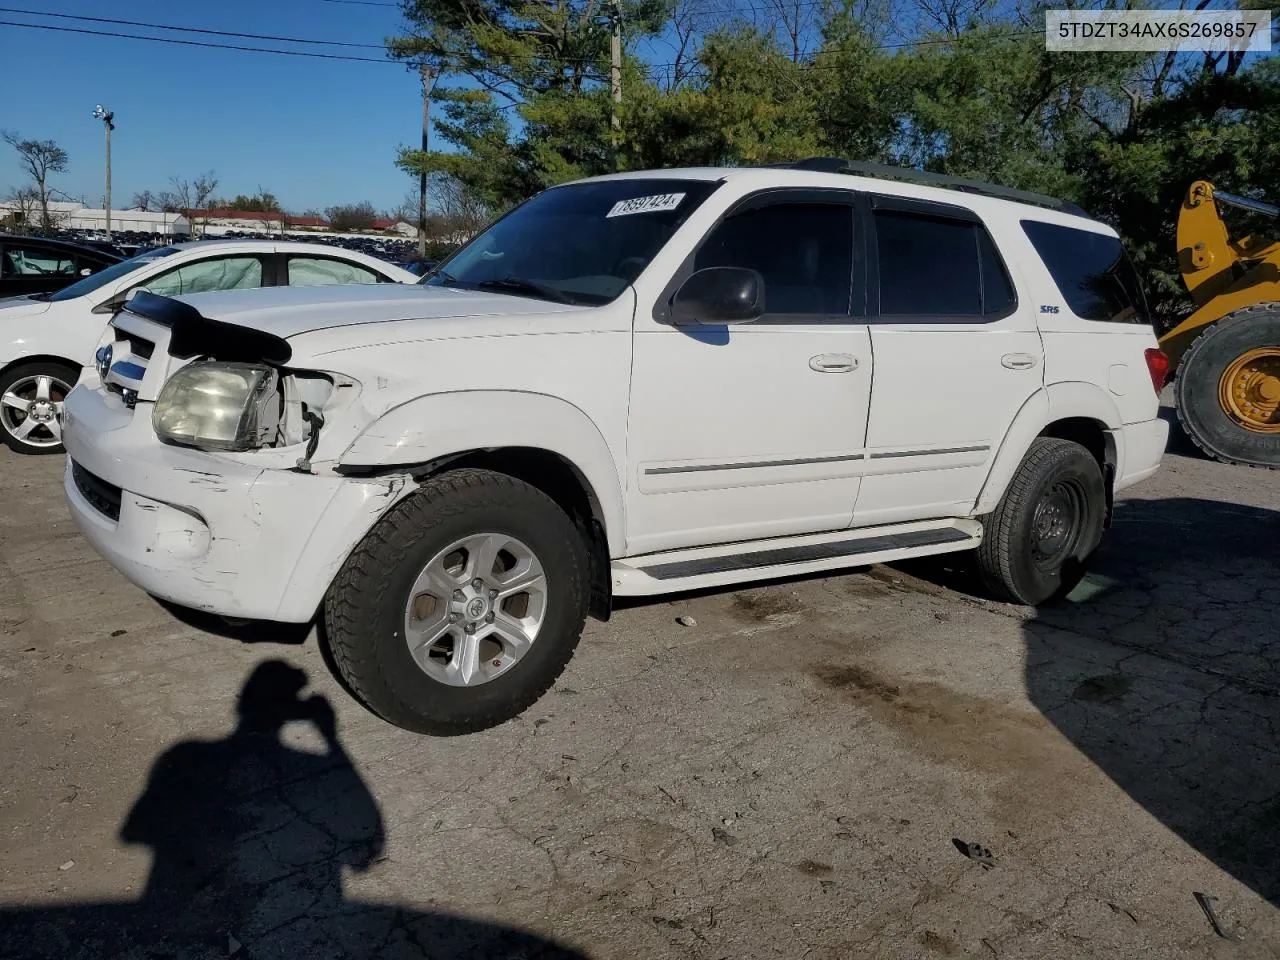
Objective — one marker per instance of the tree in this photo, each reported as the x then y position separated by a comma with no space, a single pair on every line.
351,216
261,202
143,201
39,159
23,204
191,199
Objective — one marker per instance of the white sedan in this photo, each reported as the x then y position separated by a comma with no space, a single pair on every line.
46,339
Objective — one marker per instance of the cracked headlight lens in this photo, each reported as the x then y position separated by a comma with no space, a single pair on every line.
218,406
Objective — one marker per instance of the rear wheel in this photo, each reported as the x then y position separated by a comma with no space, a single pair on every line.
31,398
1228,388
462,606
1038,540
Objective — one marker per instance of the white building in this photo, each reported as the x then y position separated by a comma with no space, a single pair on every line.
70,215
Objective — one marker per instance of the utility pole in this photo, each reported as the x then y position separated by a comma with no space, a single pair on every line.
107,117
615,79
428,84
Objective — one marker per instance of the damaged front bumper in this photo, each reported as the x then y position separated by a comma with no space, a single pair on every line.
211,532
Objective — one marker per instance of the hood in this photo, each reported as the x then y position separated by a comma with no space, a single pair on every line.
290,311
14,308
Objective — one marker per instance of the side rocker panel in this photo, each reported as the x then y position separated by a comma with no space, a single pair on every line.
435,426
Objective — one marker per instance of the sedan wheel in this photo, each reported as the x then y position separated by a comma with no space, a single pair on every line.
31,399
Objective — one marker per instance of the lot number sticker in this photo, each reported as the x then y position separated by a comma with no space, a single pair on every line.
654,204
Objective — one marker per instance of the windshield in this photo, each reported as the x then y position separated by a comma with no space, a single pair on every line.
103,277
579,244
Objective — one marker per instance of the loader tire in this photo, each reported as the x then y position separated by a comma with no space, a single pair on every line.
1228,388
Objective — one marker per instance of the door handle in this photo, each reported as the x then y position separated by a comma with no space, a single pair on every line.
1018,361
833,363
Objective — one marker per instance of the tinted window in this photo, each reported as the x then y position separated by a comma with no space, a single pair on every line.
938,268
803,251
583,243
323,271
1092,271
998,297
223,273
928,266
36,262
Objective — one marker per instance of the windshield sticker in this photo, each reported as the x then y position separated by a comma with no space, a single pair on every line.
653,204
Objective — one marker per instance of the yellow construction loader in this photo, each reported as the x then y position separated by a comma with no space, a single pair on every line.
1227,353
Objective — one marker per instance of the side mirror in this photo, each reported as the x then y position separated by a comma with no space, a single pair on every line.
719,295
113,305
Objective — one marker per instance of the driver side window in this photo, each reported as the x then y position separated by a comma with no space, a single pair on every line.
222,273
804,252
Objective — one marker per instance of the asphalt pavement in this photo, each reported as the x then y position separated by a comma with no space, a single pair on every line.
878,764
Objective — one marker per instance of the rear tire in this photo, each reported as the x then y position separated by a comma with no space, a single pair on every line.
421,621
31,397
1199,386
1038,540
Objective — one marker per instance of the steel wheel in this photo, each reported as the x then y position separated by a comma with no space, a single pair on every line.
31,410
1056,524
476,609
1249,390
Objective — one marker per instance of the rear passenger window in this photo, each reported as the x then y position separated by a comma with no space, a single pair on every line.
324,271
804,251
937,268
1092,271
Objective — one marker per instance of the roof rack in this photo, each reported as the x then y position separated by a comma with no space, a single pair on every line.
910,175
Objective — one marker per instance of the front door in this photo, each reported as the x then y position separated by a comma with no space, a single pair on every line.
957,356
754,430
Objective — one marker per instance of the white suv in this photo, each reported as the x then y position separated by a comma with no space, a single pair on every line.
629,385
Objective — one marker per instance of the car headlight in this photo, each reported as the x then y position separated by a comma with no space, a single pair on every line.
219,406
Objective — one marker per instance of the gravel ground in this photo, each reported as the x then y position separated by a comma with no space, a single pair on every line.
871,765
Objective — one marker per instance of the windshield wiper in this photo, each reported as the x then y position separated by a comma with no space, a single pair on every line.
526,287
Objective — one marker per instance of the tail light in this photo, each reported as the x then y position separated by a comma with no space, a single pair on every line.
1158,367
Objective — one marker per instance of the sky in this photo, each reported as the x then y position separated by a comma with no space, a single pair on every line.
313,132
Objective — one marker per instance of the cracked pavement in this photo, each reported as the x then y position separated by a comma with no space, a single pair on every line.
787,778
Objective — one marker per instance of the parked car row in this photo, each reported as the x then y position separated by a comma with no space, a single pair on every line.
48,334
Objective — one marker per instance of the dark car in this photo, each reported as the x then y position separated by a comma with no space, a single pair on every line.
40,265
419,266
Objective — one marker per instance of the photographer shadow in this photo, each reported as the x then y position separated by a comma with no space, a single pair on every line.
250,839
1163,668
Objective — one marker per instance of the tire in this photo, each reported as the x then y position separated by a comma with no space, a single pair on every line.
388,591
41,385
1201,411
1014,563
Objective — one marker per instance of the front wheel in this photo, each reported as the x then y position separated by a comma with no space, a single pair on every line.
31,397
462,605
1038,540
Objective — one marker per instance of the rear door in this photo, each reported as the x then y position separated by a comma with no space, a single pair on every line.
957,354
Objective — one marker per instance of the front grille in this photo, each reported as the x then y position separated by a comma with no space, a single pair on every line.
104,497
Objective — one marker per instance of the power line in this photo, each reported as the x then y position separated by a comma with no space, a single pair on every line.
216,33
194,43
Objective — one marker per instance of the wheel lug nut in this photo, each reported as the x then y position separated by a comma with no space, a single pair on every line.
459,595
493,594
488,617
477,583
453,618
470,628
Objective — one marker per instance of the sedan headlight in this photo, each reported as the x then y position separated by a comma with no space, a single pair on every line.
219,406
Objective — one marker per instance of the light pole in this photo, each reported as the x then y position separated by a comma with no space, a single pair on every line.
106,116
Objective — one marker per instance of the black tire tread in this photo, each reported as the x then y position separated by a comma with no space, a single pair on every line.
1198,346
995,553
381,552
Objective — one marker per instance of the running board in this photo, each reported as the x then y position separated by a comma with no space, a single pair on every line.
702,567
